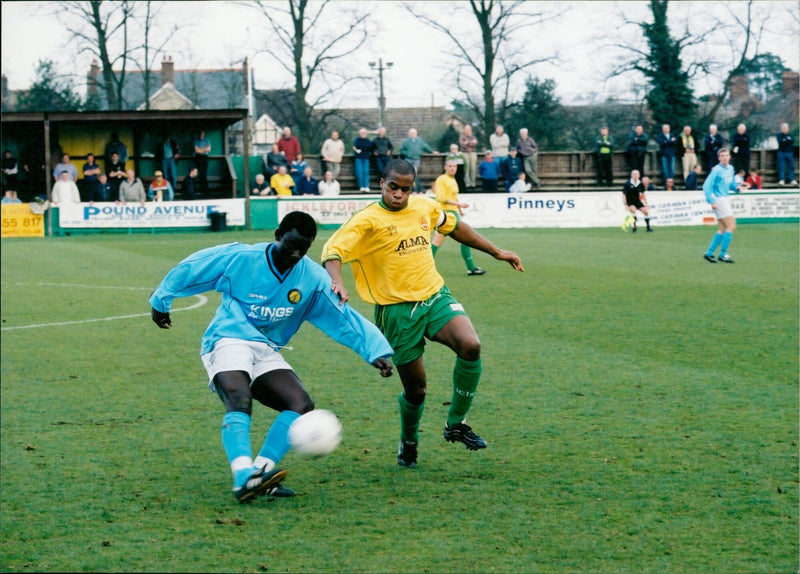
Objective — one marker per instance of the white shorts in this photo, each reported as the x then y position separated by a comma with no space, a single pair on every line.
724,208
252,357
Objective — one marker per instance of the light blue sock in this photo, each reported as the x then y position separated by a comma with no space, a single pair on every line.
236,440
276,443
726,241
715,241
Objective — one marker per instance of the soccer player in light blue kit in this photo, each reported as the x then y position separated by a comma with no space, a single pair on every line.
717,187
268,291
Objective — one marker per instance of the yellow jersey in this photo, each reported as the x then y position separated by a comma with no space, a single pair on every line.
390,251
282,184
446,188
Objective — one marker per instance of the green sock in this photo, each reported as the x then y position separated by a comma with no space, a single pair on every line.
466,255
410,416
466,375
434,248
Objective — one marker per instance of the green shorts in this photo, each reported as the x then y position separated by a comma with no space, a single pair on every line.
407,325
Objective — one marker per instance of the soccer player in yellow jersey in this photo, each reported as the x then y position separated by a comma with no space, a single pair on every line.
388,245
446,189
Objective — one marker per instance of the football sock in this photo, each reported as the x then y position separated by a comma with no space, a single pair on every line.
236,440
276,443
726,241
410,415
466,255
434,248
647,221
715,241
466,375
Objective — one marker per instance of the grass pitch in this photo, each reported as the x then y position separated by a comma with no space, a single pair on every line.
641,407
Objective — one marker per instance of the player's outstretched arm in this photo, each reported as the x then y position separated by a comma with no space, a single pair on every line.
334,269
466,234
161,319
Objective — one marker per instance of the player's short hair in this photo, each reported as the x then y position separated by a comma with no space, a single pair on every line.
299,220
399,167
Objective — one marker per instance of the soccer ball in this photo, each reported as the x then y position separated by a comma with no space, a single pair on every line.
315,433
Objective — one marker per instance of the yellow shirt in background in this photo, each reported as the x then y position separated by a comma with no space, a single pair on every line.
446,188
282,184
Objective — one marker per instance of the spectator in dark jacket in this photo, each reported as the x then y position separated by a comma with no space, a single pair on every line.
667,145
740,157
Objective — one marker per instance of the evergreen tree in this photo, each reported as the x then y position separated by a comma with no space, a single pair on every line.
49,92
541,112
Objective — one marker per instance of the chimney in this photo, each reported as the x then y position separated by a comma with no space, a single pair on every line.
167,71
739,87
791,84
94,70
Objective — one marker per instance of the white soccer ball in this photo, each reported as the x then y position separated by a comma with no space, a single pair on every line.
315,433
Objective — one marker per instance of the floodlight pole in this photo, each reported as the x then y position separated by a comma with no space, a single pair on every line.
381,98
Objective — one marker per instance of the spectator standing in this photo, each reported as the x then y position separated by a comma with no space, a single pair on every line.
328,186
190,190
274,160
754,181
500,143
445,189
637,149
382,150
687,151
261,187
511,168
91,179
634,199
786,144
693,179
282,182
202,149
362,151
741,149
603,149
298,166
116,172
332,153
65,190
308,184
116,145
10,172
289,146
132,189
712,143
455,155
412,149
160,189
529,152
65,165
489,170
170,152
667,146
468,144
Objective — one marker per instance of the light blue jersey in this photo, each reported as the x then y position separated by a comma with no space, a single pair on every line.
719,183
261,304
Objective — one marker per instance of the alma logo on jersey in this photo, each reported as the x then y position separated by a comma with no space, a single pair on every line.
411,245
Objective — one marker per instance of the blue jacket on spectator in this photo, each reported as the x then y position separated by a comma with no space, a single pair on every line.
489,169
307,186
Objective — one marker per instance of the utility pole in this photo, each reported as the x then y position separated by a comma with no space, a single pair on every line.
381,99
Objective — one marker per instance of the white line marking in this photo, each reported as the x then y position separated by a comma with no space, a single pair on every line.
202,300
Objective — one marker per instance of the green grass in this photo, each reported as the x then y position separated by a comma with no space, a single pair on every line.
641,407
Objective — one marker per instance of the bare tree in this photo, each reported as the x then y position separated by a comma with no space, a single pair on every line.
149,51
485,69
308,46
101,28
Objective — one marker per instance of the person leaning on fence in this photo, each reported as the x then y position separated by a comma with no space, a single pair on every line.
603,148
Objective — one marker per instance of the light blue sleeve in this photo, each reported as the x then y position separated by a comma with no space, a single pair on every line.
709,183
198,273
347,326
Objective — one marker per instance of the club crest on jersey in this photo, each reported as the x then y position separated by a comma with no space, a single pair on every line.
294,296
392,229
424,224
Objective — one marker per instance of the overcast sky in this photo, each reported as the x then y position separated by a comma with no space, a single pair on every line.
221,34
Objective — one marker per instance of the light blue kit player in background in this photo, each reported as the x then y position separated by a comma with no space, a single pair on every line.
268,291
717,187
